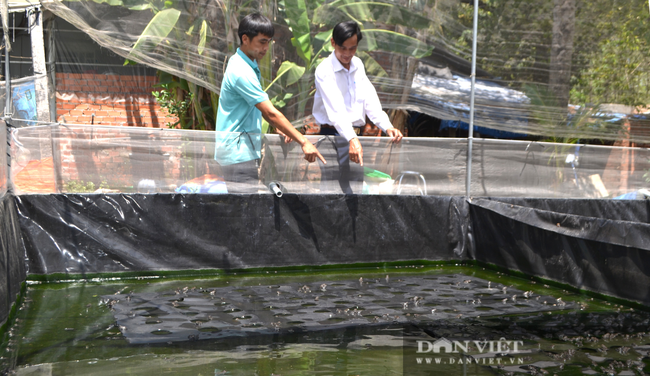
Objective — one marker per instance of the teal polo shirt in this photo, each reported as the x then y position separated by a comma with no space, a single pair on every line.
239,122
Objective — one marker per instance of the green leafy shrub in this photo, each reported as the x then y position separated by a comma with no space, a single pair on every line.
79,186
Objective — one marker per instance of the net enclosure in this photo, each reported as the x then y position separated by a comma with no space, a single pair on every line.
545,69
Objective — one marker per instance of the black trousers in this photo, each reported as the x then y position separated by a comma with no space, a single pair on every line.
342,176
242,177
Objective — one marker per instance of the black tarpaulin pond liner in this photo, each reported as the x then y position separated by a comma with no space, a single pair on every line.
98,233
12,256
596,245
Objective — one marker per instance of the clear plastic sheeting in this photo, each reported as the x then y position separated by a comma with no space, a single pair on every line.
23,100
447,98
193,40
542,66
85,159
75,52
534,169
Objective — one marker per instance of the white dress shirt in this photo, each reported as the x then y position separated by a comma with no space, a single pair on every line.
343,98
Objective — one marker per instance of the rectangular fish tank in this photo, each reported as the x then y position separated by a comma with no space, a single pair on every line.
530,275
391,320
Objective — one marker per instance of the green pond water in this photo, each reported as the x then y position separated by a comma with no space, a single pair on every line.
390,321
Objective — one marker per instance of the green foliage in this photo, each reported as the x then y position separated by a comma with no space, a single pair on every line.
292,71
618,71
168,98
568,128
155,32
386,40
182,30
369,11
79,186
514,38
187,101
169,17
610,48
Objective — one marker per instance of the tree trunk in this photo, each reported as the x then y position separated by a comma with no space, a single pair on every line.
564,14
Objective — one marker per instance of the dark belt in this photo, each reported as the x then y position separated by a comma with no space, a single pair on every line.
357,130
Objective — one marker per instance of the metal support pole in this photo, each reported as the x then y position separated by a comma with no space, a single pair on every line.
7,80
7,48
470,136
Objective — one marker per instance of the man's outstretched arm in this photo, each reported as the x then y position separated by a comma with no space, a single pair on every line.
276,119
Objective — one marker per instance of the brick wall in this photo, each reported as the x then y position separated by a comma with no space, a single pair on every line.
109,100
120,157
117,100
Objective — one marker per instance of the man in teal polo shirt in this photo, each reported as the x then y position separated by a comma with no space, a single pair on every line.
242,104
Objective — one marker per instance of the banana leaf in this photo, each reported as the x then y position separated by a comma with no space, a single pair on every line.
292,71
298,21
369,11
386,40
203,36
156,31
372,66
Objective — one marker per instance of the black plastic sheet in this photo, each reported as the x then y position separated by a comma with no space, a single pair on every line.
617,210
12,256
97,233
598,245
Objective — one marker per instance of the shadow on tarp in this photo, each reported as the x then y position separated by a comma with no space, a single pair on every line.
597,245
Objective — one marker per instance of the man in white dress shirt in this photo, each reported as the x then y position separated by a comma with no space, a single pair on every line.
344,98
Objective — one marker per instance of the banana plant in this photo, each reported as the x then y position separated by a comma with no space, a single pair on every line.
185,31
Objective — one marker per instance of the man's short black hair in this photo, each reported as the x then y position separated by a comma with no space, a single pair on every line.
254,24
344,31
